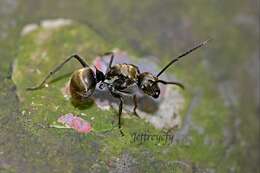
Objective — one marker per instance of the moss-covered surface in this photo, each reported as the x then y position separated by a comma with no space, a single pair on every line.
42,49
224,139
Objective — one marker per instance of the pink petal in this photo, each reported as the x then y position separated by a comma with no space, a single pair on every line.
74,122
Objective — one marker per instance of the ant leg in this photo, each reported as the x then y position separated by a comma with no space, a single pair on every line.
173,83
120,109
77,57
119,115
135,106
111,60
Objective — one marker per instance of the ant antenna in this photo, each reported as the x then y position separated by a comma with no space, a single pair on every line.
182,55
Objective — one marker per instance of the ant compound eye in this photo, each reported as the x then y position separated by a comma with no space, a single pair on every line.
156,94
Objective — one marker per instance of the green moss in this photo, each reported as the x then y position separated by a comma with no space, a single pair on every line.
41,50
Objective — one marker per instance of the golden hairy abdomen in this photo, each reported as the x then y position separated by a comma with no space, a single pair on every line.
82,83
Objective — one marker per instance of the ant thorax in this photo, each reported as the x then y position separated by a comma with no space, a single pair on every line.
119,82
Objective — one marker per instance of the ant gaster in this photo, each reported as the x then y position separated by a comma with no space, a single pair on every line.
116,79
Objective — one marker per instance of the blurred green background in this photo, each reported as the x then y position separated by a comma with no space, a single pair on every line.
158,28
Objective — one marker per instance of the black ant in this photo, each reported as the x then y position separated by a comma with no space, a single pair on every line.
116,79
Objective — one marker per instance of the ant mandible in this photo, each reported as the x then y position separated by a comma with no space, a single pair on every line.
116,79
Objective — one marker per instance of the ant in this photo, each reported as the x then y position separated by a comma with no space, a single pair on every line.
116,79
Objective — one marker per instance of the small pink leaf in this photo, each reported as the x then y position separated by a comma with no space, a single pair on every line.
76,123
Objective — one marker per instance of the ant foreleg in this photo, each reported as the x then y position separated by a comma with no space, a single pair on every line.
77,57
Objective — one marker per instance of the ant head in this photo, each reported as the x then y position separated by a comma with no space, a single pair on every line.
99,75
148,84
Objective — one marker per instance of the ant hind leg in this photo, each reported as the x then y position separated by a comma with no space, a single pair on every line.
57,68
111,60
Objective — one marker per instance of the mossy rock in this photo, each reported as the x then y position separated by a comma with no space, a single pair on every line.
200,143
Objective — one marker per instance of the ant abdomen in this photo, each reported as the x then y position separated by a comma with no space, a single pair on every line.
82,83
